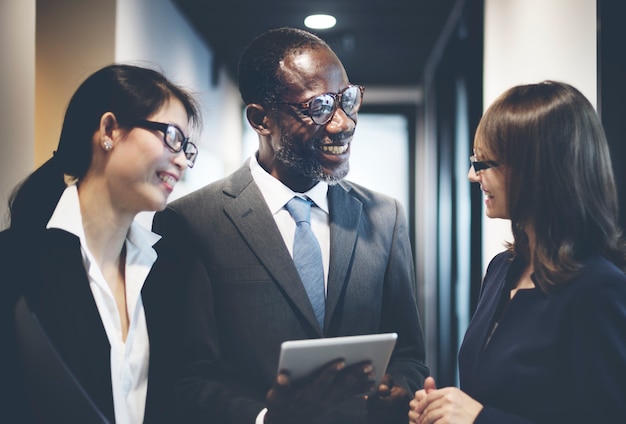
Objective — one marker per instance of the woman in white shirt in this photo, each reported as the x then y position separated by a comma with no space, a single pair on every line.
86,269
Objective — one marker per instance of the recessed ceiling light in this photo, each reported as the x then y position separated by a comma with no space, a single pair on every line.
320,21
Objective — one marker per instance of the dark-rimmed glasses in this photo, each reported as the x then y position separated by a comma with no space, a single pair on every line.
481,165
173,138
322,107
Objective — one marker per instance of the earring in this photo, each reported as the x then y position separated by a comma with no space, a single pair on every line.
107,144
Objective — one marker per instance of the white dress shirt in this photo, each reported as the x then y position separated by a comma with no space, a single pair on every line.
276,195
129,359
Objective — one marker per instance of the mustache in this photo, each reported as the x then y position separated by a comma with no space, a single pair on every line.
334,138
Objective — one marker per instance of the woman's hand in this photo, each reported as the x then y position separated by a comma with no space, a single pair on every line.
429,386
442,406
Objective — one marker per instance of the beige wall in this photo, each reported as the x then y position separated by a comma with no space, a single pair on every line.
17,94
73,39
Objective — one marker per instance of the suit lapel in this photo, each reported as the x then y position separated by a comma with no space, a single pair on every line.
69,308
250,214
345,214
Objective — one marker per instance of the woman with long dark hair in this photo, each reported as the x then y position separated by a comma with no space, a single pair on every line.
546,343
108,293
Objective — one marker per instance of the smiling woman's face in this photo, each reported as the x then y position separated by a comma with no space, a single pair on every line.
142,170
493,185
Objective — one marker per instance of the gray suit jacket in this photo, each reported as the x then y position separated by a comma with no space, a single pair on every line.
255,299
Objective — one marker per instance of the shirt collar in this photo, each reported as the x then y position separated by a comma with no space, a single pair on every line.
67,217
276,194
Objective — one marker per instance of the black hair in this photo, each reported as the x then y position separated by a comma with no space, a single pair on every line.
258,72
130,93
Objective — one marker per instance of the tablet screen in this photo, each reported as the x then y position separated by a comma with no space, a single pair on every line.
301,357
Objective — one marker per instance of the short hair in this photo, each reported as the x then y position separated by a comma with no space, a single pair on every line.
559,177
258,72
131,93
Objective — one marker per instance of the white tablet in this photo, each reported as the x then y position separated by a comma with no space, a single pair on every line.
301,357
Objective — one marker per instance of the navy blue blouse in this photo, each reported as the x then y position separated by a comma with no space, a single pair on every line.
539,358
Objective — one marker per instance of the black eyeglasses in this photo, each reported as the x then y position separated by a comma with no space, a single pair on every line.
482,165
322,107
173,138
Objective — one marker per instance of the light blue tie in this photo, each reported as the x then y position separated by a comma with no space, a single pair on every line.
307,256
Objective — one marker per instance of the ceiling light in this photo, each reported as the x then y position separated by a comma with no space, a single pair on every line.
320,21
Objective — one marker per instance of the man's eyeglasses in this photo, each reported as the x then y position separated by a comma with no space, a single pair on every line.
482,165
322,107
173,138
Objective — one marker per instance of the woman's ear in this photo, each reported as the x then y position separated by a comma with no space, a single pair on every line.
108,124
107,132
258,118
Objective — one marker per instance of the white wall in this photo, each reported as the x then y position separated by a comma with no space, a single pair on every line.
146,34
17,91
154,32
527,41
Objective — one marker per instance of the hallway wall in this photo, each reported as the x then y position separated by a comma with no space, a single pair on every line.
17,94
527,41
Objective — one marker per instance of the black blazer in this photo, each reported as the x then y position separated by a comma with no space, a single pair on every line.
558,358
258,301
49,271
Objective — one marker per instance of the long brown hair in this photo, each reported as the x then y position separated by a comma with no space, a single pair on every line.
559,177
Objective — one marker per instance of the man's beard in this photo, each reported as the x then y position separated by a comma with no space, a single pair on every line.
306,165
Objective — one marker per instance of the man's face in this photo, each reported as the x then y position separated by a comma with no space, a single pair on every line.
301,152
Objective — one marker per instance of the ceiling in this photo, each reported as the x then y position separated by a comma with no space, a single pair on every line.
380,42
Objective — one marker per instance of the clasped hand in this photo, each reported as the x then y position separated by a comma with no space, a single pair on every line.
442,406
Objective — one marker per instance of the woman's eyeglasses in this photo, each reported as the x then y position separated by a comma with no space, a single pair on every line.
482,165
173,138
322,107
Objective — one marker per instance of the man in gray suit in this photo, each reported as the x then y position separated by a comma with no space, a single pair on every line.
304,109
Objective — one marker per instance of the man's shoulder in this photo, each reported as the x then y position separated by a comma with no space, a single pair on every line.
199,194
364,194
228,185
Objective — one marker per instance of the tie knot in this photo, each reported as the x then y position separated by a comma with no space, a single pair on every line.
300,209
